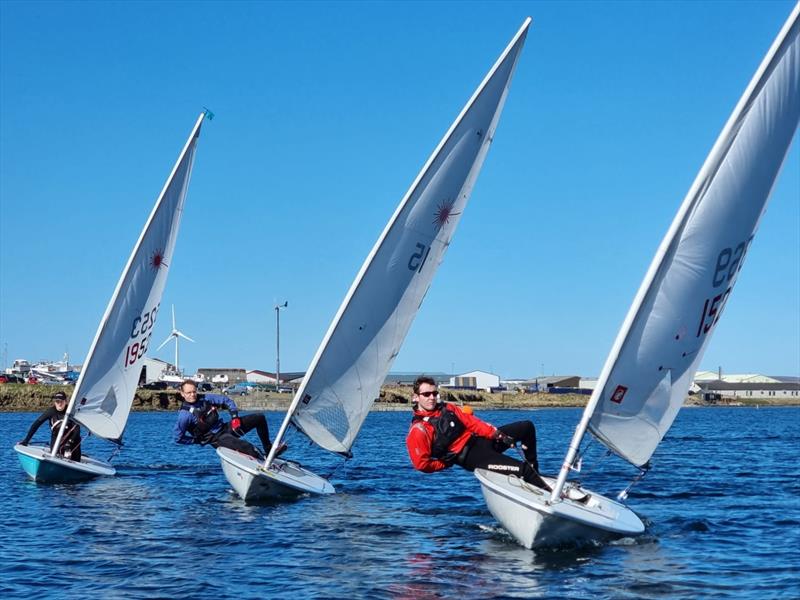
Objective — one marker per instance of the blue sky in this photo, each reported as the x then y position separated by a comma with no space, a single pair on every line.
325,112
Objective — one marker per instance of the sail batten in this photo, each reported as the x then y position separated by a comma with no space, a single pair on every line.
107,383
366,334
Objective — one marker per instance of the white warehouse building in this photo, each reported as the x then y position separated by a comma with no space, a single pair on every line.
480,380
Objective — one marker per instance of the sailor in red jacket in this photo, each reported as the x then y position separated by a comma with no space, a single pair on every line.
442,435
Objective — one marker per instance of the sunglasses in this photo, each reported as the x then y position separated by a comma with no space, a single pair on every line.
429,394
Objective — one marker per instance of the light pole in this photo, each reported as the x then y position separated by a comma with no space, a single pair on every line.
278,308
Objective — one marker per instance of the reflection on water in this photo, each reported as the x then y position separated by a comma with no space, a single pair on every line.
391,532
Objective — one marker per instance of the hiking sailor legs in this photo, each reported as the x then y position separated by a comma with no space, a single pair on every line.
199,422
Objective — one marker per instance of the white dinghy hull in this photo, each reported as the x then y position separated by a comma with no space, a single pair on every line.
42,467
525,512
284,480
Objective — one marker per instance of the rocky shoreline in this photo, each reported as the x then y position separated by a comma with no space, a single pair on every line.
36,398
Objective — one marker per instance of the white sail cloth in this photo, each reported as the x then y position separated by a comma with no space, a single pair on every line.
698,263
105,389
366,335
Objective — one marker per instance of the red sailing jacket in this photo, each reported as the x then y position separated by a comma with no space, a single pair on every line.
420,437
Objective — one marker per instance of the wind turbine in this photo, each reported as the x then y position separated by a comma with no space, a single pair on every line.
175,334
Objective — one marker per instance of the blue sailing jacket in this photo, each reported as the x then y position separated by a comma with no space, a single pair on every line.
199,421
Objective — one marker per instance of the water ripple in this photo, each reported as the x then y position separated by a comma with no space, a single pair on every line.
720,507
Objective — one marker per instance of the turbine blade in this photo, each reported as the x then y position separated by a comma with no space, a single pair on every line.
186,337
164,343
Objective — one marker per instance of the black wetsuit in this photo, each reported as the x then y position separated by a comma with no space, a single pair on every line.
483,453
70,443
200,423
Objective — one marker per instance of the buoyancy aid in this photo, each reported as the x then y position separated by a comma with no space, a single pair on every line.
447,428
71,437
206,415
57,419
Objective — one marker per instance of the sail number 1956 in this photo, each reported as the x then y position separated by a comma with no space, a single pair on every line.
141,330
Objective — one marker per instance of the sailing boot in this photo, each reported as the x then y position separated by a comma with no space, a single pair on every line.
530,456
532,477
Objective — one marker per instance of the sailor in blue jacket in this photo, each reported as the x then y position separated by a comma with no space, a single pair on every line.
199,422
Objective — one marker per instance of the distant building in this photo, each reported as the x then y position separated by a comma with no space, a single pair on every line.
256,376
475,380
153,369
712,390
513,383
408,377
704,376
293,378
560,382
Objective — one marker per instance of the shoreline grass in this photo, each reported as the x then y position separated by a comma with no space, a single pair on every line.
36,398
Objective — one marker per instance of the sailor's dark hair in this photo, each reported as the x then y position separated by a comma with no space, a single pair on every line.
423,379
188,382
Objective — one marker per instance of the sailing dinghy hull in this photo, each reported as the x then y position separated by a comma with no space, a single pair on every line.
44,468
524,511
284,480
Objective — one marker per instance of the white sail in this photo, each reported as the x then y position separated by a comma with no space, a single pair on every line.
364,338
651,366
105,389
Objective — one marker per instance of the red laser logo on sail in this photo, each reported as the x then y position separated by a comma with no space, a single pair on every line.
157,260
443,213
619,394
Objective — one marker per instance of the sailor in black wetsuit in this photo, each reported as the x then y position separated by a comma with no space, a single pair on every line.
199,422
71,441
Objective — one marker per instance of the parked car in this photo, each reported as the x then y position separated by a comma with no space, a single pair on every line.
9,378
239,389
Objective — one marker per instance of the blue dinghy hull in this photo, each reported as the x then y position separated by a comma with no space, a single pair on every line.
44,468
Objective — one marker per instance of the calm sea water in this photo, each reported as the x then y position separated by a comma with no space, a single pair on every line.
722,508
